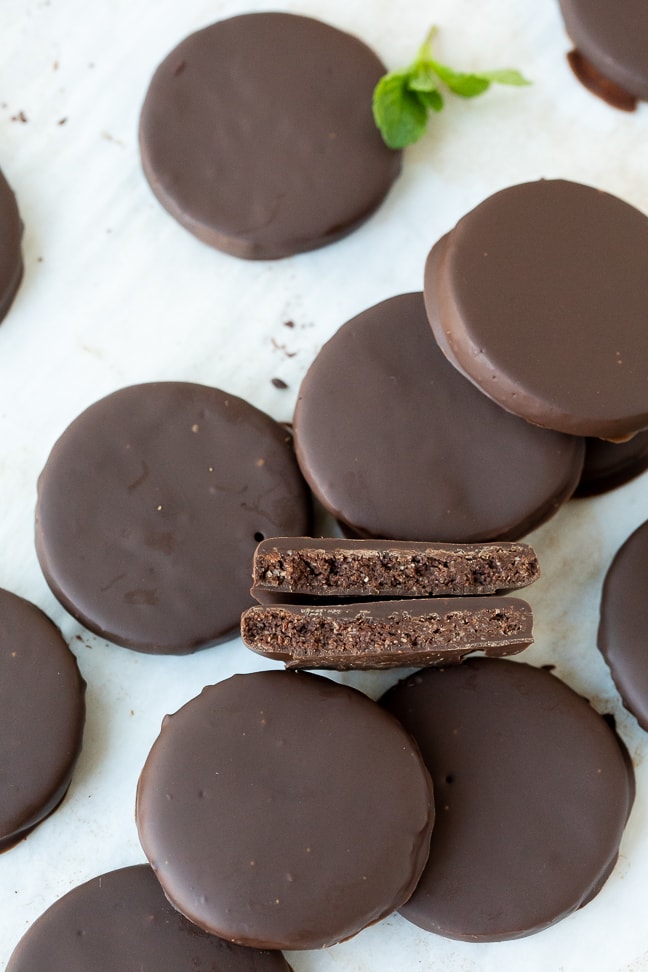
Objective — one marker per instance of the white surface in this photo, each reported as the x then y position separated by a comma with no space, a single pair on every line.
115,293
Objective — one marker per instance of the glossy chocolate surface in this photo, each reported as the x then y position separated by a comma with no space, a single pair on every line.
539,295
121,922
533,791
609,465
283,810
149,509
42,715
11,263
613,36
257,135
397,444
623,626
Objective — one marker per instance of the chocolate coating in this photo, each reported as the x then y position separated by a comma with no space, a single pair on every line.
623,625
539,295
122,921
397,444
283,810
42,715
11,264
388,634
611,464
612,35
150,506
257,135
533,791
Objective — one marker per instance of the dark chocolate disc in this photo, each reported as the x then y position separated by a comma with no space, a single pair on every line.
612,35
283,810
623,626
42,714
397,444
121,921
540,297
533,790
11,264
150,507
257,135
611,464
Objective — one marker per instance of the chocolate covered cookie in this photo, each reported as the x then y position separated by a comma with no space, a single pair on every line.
533,791
257,135
611,464
623,625
42,715
388,634
539,296
11,263
397,444
122,921
283,810
150,506
611,47
343,568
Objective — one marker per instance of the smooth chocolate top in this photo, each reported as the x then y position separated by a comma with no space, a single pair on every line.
42,715
121,921
388,634
283,810
540,297
341,568
613,36
11,229
623,626
611,464
397,444
533,790
149,509
257,135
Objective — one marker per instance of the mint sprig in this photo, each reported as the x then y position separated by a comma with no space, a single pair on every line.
403,99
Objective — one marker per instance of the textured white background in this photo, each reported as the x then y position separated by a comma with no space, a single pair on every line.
115,293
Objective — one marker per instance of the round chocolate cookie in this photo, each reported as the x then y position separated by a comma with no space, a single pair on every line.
257,135
611,41
122,921
11,264
611,464
540,297
42,715
284,810
533,791
623,626
150,507
395,443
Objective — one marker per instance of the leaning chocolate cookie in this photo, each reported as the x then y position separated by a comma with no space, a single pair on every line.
609,465
283,810
611,47
623,625
397,444
539,296
11,263
257,135
121,920
42,716
533,791
150,507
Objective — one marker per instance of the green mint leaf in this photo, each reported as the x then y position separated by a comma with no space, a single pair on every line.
398,112
402,99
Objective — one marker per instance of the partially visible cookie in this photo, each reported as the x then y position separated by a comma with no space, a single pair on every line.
121,920
11,263
623,624
150,506
42,715
343,568
257,135
533,791
284,810
388,634
611,464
